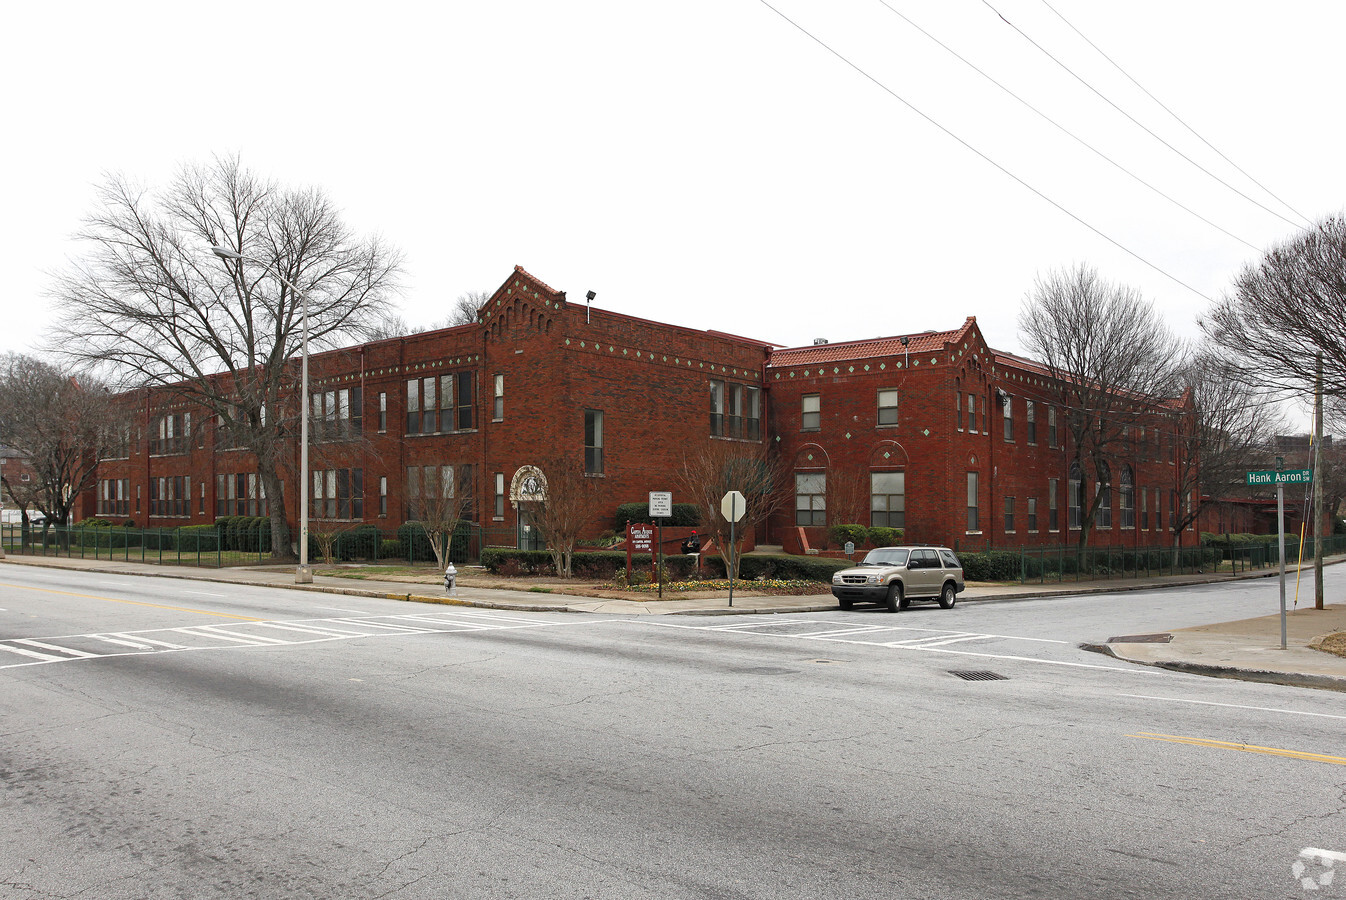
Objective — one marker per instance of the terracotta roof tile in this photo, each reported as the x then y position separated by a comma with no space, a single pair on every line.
869,348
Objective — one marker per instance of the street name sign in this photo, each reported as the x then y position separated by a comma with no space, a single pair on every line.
1291,476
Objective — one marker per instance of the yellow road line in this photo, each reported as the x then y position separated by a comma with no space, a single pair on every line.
1247,748
204,612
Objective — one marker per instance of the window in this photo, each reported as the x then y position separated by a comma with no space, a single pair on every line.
1128,498
383,495
169,434
1103,491
735,410
1031,420
1033,514
383,412
466,400
431,484
338,494
336,414
1051,427
119,443
958,405
240,494
1144,512
499,495
1053,514
1172,510
1009,417
972,523
811,416
430,403
1158,520
1009,514
1074,496
972,413
114,497
887,407
888,499
170,496
810,498
498,405
593,442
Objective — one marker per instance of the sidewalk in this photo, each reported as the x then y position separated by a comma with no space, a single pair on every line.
1247,649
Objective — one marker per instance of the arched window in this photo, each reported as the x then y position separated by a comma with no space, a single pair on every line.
1128,493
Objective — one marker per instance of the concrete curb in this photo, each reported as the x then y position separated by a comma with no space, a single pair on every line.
1263,676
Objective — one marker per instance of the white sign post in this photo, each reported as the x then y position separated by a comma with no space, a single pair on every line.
661,507
732,507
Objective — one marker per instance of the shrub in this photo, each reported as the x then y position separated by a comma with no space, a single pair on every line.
520,562
685,515
198,539
882,536
361,542
390,548
840,534
415,542
794,568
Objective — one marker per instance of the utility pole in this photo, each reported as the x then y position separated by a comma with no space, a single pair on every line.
1318,530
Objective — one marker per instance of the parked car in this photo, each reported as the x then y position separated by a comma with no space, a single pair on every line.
894,576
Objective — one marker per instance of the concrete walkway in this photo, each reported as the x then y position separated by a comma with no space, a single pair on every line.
1247,649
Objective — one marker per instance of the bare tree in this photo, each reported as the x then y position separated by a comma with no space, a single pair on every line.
572,504
848,496
150,304
1285,309
711,471
439,504
62,426
1111,359
1221,434
464,312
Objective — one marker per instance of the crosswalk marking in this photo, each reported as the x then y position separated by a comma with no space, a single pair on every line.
288,633
76,653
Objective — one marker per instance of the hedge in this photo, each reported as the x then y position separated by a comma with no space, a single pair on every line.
685,515
840,534
787,568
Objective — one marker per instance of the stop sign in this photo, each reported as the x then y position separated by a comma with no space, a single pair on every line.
732,506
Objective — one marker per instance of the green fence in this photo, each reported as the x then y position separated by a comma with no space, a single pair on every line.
1071,563
234,544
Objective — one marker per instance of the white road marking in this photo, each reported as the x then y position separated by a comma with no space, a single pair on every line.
76,653
112,640
342,609
165,644
304,632
33,654
1291,712
205,593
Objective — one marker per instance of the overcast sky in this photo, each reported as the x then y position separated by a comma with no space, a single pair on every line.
705,162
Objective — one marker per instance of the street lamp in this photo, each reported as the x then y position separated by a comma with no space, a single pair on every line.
303,574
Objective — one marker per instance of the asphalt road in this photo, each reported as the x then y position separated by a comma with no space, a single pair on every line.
164,739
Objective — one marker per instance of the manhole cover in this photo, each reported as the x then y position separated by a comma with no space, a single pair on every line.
978,675
1141,639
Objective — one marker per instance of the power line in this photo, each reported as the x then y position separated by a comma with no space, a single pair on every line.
1176,117
1065,130
1133,254
1133,119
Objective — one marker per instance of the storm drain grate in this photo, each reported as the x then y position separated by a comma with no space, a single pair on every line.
978,675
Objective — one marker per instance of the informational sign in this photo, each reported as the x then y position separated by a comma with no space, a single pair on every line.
732,506
1292,476
640,537
661,504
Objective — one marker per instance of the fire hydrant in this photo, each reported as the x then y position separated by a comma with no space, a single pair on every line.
450,579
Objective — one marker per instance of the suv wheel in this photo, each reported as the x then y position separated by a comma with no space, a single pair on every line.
897,598
948,596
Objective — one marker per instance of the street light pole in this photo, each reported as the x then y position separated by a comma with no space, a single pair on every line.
303,574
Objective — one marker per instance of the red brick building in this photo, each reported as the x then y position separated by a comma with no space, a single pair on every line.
934,432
